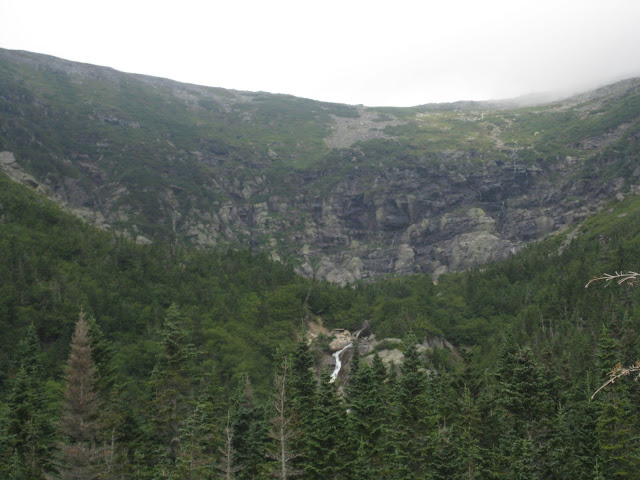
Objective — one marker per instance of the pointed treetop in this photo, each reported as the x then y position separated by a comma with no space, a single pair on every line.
28,354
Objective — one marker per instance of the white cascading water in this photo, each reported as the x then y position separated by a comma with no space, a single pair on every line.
336,370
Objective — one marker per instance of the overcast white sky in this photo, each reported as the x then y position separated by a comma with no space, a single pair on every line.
394,52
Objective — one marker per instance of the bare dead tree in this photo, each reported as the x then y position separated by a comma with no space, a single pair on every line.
227,466
283,432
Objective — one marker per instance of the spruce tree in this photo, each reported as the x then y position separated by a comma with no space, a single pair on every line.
302,394
615,425
29,428
386,455
172,390
522,398
112,434
102,353
408,434
469,454
326,443
250,433
366,422
201,437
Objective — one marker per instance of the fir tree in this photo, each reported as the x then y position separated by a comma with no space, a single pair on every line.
522,397
380,411
366,421
102,353
113,408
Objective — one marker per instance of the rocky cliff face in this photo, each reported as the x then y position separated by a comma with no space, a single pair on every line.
346,193
429,220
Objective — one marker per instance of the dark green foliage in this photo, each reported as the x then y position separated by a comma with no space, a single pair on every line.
616,426
302,390
303,384
368,422
28,431
102,353
250,433
172,388
326,444
412,420
469,454
54,265
201,436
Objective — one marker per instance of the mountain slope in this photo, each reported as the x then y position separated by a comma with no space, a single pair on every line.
346,192
238,307
529,315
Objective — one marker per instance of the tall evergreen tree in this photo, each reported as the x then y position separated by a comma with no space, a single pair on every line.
366,423
250,433
30,432
102,353
469,454
615,425
438,453
521,396
112,435
171,384
201,436
327,443
302,395
380,412
409,434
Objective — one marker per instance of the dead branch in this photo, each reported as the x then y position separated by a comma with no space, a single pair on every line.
617,372
629,278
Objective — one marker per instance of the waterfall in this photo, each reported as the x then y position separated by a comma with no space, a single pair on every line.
336,370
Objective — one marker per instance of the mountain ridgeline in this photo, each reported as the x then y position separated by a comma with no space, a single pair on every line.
343,192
